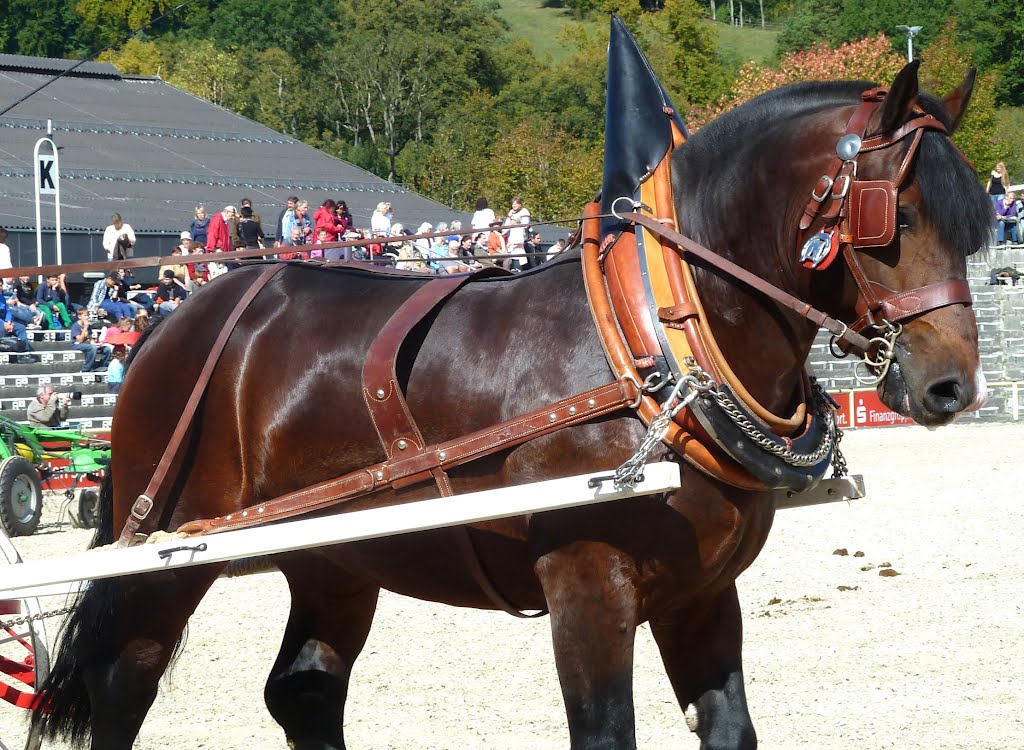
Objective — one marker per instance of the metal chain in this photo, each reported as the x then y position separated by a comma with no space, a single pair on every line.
25,619
769,445
839,467
632,469
699,383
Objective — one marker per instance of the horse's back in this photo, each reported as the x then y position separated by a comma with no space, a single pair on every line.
285,407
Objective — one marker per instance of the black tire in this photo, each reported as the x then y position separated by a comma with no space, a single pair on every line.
89,509
21,496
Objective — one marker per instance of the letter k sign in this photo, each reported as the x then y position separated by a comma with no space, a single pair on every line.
47,175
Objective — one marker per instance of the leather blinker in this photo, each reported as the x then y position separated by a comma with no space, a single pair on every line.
872,213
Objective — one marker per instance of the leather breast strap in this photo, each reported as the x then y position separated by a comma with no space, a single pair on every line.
394,423
582,407
143,505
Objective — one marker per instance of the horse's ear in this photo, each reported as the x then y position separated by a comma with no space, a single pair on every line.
901,97
956,101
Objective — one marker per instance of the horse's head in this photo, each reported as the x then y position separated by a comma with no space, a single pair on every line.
907,285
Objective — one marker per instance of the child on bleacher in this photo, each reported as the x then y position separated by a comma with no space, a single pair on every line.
115,370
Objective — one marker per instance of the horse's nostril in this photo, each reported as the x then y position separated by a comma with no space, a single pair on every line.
946,396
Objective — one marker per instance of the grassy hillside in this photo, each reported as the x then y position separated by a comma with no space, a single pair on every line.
742,45
530,20
540,26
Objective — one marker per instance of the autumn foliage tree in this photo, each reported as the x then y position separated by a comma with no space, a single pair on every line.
871,59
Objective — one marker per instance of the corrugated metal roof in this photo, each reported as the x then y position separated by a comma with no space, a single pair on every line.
150,151
53,66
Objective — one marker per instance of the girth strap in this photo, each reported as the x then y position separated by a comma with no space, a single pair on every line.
393,421
144,503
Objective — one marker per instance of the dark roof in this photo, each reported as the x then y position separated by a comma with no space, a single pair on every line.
150,151
53,66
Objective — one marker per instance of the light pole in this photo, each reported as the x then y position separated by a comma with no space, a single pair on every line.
911,32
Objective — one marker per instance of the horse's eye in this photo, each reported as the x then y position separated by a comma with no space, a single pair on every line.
905,219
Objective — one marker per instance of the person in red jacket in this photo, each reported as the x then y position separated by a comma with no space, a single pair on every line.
218,235
325,218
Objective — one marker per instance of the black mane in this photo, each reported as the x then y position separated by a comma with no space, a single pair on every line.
953,200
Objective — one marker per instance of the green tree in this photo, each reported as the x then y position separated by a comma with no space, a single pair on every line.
813,22
451,167
106,21
683,48
555,173
302,28
201,69
270,89
943,67
137,57
569,93
43,28
389,78
863,18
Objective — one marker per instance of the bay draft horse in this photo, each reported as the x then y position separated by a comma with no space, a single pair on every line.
284,411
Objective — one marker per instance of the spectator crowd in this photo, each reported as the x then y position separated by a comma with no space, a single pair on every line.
107,322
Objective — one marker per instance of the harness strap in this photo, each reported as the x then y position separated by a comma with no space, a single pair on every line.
820,319
406,470
899,307
382,392
394,423
144,503
855,126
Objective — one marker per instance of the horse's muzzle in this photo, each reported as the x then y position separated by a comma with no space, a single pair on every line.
937,400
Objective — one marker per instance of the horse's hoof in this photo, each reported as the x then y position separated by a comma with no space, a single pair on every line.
690,714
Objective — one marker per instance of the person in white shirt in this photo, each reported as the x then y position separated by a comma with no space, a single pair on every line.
516,221
118,239
5,252
380,221
482,216
557,249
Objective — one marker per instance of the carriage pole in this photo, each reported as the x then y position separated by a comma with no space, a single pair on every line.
20,581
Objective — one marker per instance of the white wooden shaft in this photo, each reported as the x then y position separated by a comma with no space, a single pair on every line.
335,529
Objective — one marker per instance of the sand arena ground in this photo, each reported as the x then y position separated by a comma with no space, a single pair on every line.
836,655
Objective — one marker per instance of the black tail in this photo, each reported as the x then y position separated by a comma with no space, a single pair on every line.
66,711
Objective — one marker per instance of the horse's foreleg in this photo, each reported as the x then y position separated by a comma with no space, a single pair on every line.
330,618
701,648
593,626
149,615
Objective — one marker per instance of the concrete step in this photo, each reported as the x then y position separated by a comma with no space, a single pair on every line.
36,378
45,357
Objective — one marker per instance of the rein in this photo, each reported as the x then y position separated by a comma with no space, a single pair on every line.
837,328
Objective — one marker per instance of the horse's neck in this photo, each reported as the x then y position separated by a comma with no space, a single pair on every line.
746,203
765,346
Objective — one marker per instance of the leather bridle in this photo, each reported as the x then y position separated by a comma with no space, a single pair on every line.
858,214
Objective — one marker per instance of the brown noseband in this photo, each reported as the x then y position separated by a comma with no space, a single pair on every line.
862,214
